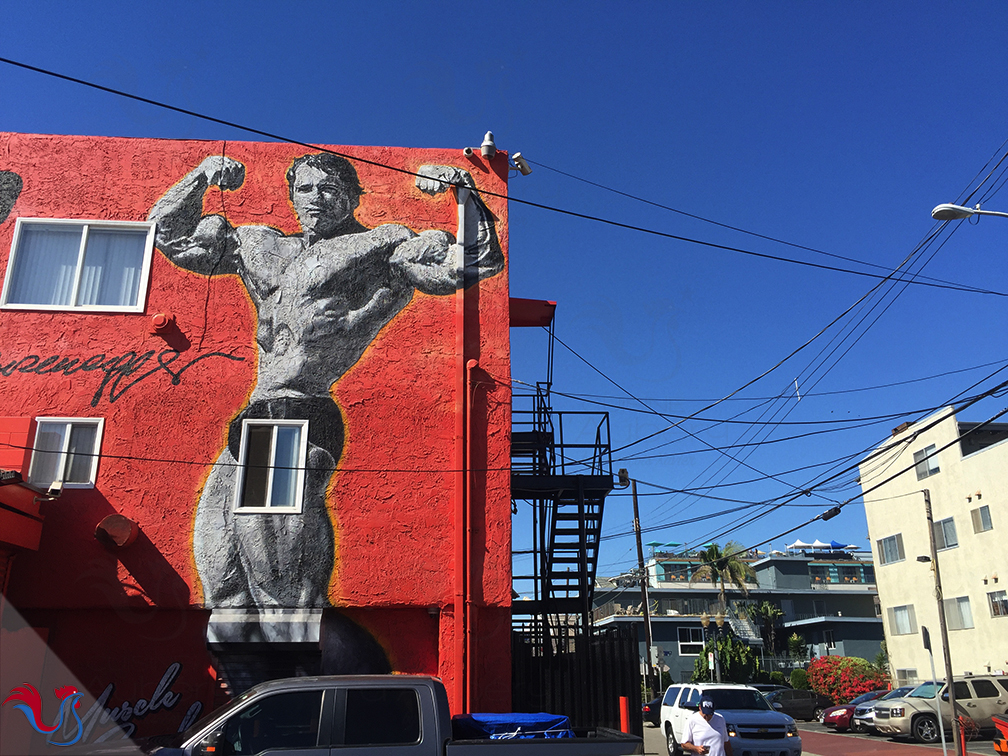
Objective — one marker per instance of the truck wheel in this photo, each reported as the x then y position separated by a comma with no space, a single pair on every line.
670,742
925,729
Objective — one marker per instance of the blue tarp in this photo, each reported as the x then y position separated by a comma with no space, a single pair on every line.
510,726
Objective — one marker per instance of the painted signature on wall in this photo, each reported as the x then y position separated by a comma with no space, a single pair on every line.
121,373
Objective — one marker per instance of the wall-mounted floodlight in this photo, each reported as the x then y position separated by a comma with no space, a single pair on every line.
521,164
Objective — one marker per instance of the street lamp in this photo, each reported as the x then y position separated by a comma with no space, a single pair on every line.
958,212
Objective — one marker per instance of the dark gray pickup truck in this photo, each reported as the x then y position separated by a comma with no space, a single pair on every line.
404,715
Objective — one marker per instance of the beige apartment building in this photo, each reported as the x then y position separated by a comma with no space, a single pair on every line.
965,468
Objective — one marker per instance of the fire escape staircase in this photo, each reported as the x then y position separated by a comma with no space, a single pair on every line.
566,482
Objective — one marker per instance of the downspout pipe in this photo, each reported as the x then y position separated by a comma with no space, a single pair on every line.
459,631
470,635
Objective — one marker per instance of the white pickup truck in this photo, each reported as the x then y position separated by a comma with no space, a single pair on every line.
405,715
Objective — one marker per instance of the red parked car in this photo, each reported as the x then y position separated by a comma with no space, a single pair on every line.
839,717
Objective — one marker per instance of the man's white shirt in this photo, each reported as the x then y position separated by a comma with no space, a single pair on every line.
703,733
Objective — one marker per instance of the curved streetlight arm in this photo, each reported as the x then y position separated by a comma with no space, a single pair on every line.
958,212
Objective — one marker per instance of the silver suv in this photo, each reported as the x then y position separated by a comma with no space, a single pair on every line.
979,697
754,727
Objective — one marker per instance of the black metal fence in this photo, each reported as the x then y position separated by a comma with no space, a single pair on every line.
583,680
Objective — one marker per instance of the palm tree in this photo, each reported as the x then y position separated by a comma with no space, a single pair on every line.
724,566
768,614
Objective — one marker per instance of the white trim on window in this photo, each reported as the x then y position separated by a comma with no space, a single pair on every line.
926,462
691,641
981,519
945,534
59,431
296,480
890,549
73,286
902,620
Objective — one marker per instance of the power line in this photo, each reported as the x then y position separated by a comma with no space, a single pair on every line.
836,510
761,398
723,225
486,192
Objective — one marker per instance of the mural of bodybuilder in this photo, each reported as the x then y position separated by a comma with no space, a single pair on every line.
321,297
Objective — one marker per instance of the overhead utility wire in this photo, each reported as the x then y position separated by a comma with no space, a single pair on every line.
830,514
768,370
486,192
966,199
684,430
722,225
878,452
581,396
995,391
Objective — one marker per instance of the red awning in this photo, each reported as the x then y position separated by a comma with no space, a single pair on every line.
529,313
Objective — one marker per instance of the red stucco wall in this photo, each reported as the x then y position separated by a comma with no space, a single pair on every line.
391,499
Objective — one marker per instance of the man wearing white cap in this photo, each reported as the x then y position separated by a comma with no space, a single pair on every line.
706,732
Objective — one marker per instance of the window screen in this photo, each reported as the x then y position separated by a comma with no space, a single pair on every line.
981,519
925,467
958,614
945,534
902,620
891,549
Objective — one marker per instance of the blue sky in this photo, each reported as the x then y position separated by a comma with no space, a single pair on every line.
834,126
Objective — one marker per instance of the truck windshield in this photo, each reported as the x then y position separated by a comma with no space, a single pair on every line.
734,698
927,690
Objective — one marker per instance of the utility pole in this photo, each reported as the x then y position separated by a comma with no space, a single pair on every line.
649,677
942,626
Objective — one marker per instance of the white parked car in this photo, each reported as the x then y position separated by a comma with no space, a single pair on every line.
754,726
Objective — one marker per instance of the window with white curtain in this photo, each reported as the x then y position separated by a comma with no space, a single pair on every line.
78,265
902,620
958,614
65,451
272,466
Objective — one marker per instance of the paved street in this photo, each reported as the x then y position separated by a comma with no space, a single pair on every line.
818,741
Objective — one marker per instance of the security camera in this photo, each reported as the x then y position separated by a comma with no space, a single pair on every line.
55,489
467,151
521,164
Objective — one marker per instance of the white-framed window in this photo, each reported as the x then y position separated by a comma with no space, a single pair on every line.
906,677
925,467
998,603
58,264
945,534
65,451
958,614
691,641
981,519
902,620
271,464
891,549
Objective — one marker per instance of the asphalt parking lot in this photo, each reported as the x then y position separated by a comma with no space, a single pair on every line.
821,741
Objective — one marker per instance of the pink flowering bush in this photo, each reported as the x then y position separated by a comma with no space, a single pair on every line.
842,678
